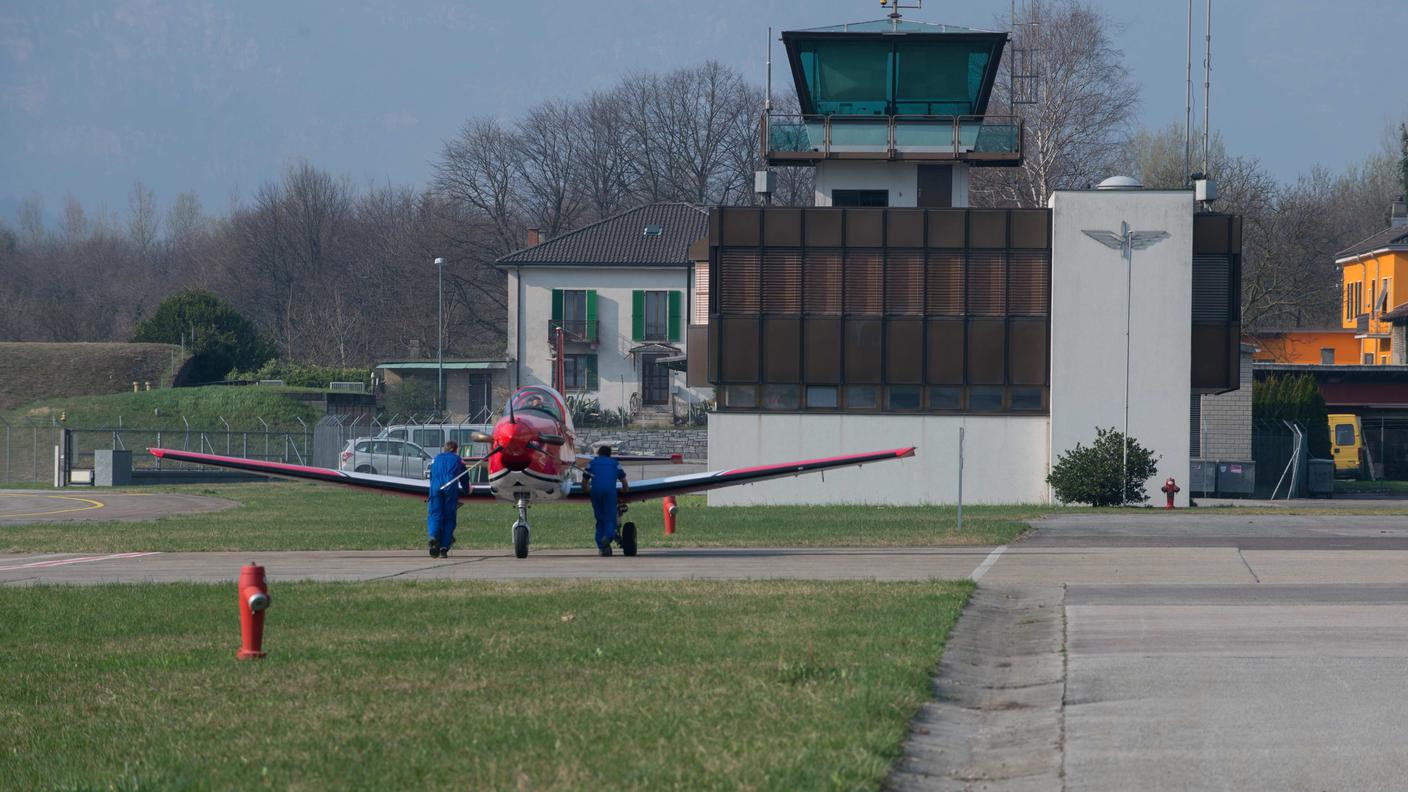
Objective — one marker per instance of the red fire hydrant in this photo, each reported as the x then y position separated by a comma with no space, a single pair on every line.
670,509
253,601
1170,489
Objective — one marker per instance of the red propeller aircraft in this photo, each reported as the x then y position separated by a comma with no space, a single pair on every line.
533,455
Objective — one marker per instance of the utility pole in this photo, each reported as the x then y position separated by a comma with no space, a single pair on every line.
439,334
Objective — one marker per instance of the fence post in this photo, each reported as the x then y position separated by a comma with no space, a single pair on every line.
266,436
227,433
305,438
7,449
158,445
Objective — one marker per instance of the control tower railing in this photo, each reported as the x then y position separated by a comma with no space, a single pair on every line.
795,139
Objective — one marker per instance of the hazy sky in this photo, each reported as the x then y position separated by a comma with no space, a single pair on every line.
217,96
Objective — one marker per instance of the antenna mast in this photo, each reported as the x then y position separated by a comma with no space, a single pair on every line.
767,98
1207,83
895,6
1188,108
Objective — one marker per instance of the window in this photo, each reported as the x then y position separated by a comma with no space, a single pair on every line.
1344,434
904,397
741,396
579,372
1327,356
782,397
985,399
860,198
657,315
574,310
862,397
428,438
821,396
1026,398
945,397
1368,358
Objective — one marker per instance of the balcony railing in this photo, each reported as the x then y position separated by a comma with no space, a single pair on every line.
791,138
573,330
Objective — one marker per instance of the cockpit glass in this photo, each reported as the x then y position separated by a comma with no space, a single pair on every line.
535,399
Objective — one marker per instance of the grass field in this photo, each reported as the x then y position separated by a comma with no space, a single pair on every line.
242,407
759,685
299,516
36,371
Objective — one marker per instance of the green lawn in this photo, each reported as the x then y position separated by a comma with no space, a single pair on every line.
163,409
301,516
542,685
1374,487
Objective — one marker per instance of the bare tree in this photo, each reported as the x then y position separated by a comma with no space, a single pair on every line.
548,145
141,219
604,171
1085,103
479,168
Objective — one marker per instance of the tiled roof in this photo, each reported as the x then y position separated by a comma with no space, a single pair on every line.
1396,237
622,239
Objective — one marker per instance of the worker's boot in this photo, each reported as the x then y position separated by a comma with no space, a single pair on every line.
434,548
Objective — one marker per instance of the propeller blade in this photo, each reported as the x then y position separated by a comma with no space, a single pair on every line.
551,439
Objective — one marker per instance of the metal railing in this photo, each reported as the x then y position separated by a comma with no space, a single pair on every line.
574,329
810,137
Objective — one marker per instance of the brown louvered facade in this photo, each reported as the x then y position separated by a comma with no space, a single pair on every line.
875,309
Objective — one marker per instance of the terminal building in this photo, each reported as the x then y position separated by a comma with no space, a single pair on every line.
892,313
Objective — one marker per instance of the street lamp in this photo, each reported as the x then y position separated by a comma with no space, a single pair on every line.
439,334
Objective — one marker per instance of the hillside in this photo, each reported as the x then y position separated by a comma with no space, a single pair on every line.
32,372
164,409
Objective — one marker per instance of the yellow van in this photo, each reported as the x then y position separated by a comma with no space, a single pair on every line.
1347,444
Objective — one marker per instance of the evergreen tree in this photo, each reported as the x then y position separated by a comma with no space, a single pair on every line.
218,337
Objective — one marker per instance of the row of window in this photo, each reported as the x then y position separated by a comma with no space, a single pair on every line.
1354,304
889,398
656,315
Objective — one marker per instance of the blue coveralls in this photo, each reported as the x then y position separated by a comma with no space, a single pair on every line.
442,503
605,472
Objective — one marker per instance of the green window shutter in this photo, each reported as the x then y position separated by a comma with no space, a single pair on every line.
590,360
591,315
676,303
557,305
638,315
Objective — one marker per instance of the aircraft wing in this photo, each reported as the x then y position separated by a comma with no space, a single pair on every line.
715,479
371,481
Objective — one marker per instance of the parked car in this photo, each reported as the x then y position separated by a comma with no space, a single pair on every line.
387,457
433,436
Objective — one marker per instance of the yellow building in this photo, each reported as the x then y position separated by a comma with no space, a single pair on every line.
1373,286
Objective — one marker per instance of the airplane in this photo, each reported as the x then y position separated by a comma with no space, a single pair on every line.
533,457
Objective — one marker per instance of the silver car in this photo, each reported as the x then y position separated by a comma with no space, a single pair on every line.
387,457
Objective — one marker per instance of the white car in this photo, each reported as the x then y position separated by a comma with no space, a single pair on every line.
387,457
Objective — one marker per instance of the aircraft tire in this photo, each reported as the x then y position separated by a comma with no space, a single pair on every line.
520,540
628,539
366,469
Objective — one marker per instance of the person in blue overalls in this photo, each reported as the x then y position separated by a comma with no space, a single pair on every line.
444,500
601,475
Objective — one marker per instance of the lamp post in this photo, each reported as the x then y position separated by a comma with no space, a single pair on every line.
1126,242
439,334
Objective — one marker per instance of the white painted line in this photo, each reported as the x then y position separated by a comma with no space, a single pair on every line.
79,560
987,564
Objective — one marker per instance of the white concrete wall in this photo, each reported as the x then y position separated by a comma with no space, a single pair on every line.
1005,459
901,179
1088,289
618,370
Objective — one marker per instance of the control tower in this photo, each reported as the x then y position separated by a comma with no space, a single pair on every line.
893,112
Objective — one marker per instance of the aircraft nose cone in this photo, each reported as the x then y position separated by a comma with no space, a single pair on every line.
513,439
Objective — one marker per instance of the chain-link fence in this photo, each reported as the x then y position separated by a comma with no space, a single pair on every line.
399,445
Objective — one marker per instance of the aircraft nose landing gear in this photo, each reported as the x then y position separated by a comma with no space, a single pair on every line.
520,529
626,536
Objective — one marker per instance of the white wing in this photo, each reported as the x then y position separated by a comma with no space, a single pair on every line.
1107,238
1140,240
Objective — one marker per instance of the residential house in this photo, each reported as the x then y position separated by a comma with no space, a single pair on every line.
1371,288
619,290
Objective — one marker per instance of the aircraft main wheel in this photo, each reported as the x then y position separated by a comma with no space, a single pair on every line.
628,539
366,469
520,540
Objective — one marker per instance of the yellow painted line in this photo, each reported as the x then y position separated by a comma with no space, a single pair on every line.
90,504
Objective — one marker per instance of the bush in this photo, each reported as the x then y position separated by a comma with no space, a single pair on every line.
1092,474
587,412
304,375
411,397
1296,399
217,336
